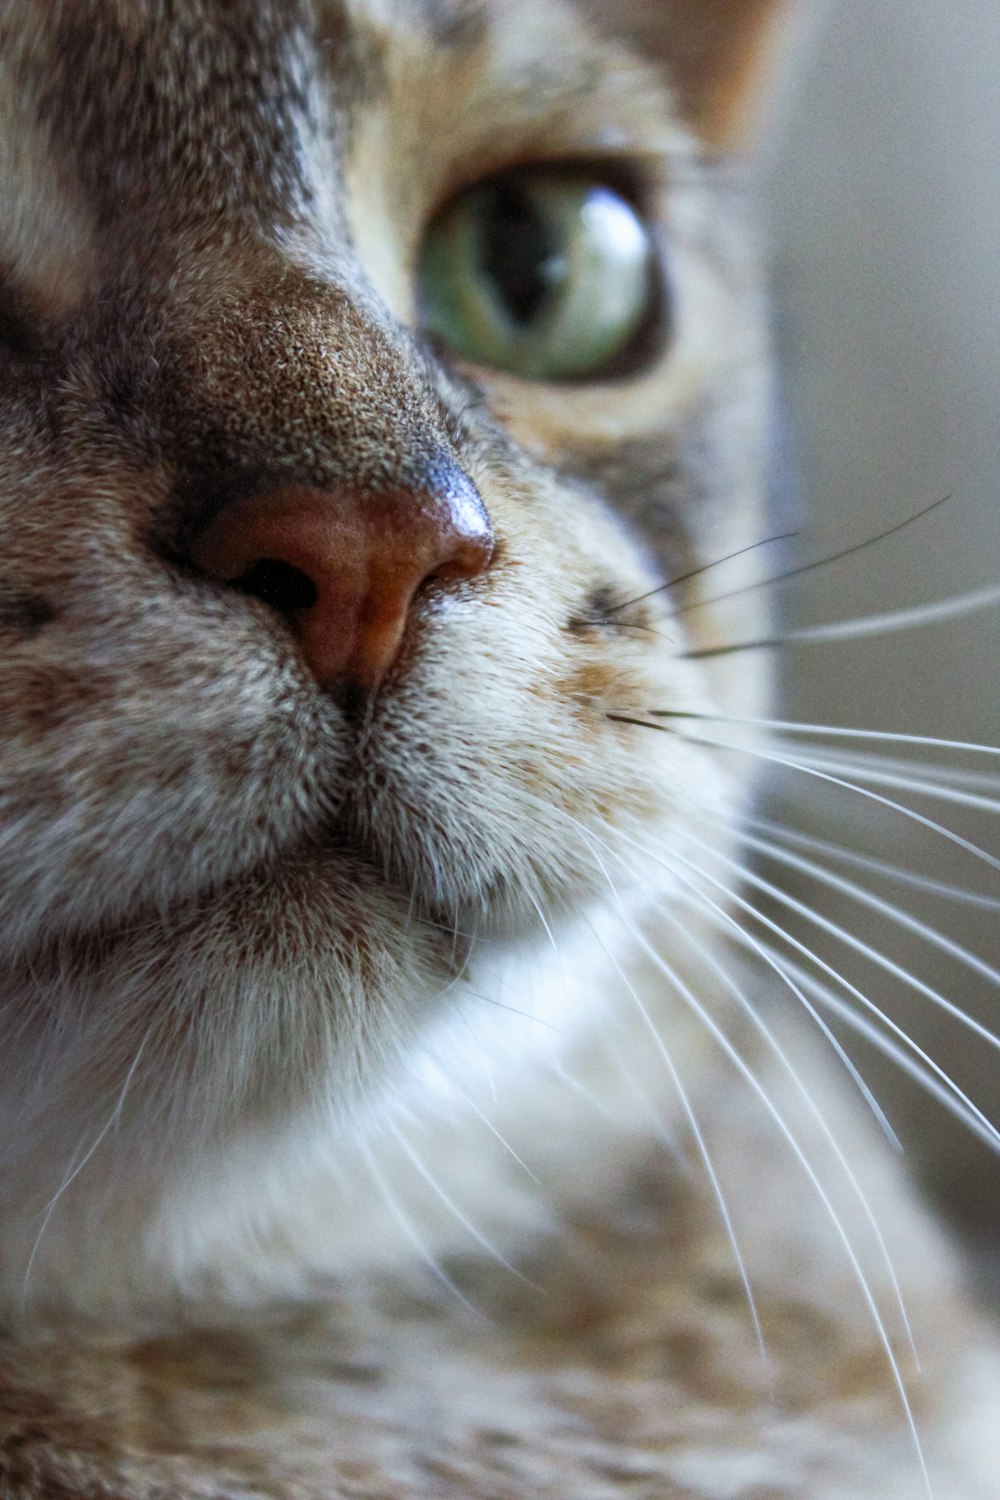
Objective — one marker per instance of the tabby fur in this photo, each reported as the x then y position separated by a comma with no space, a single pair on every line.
347,1114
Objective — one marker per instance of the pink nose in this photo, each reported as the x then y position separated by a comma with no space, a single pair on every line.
343,567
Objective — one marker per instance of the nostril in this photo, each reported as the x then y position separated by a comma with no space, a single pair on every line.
343,568
279,584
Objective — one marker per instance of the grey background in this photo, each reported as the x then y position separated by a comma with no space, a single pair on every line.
886,224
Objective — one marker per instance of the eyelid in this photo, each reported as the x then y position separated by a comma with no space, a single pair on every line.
637,177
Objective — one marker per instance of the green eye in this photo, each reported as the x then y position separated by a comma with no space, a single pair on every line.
546,275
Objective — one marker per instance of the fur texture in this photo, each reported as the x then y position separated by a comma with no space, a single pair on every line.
351,1083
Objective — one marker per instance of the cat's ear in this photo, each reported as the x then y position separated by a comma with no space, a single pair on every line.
724,58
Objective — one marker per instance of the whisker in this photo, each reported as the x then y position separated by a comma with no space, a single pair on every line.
885,1044
869,769
765,1031
467,1099
546,926
878,866
797,765
841,979
728,923
887,909
629,625
411,905
935,773
405,1223
876,903
73,1171
819,562
672,583
911,1057
786,937
639,723
484,1056
884,624
590,838
739,1062
454,1209
702,1146
834,929
455,938
833,731
524,1015
665,1134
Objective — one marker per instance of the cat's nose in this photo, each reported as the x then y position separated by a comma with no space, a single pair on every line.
344,568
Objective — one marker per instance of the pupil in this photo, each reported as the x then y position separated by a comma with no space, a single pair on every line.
517,251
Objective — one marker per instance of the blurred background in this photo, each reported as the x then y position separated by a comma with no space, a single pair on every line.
886,222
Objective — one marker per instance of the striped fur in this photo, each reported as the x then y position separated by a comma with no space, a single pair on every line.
260,953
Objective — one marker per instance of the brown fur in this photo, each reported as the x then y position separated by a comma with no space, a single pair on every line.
251,1244
633,1371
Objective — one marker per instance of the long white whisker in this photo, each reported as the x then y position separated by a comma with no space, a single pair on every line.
467,1099
751,1078
826,924
74,1171
882,867
882,624
405,1223
454,1209
724,919
868,771
590,838
702,1146
546,926
765,1031
934,774
907,812
868,898
903,619
904,1060
524,1015
852,989
814,958
665,1134
833,731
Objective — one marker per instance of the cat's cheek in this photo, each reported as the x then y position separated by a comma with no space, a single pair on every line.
144,765
497,779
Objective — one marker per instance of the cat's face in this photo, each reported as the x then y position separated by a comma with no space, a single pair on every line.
247,257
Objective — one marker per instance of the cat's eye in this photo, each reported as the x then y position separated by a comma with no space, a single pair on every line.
544,274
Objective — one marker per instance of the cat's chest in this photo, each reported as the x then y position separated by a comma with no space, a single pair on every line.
624,1363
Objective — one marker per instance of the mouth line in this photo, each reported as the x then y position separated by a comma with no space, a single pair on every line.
89,948
337,838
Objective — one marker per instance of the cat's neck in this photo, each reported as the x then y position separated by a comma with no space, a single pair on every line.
530,1090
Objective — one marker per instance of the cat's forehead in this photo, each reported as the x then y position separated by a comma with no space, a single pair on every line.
116,115
204,89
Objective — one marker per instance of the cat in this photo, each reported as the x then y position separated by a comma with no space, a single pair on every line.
392,1104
